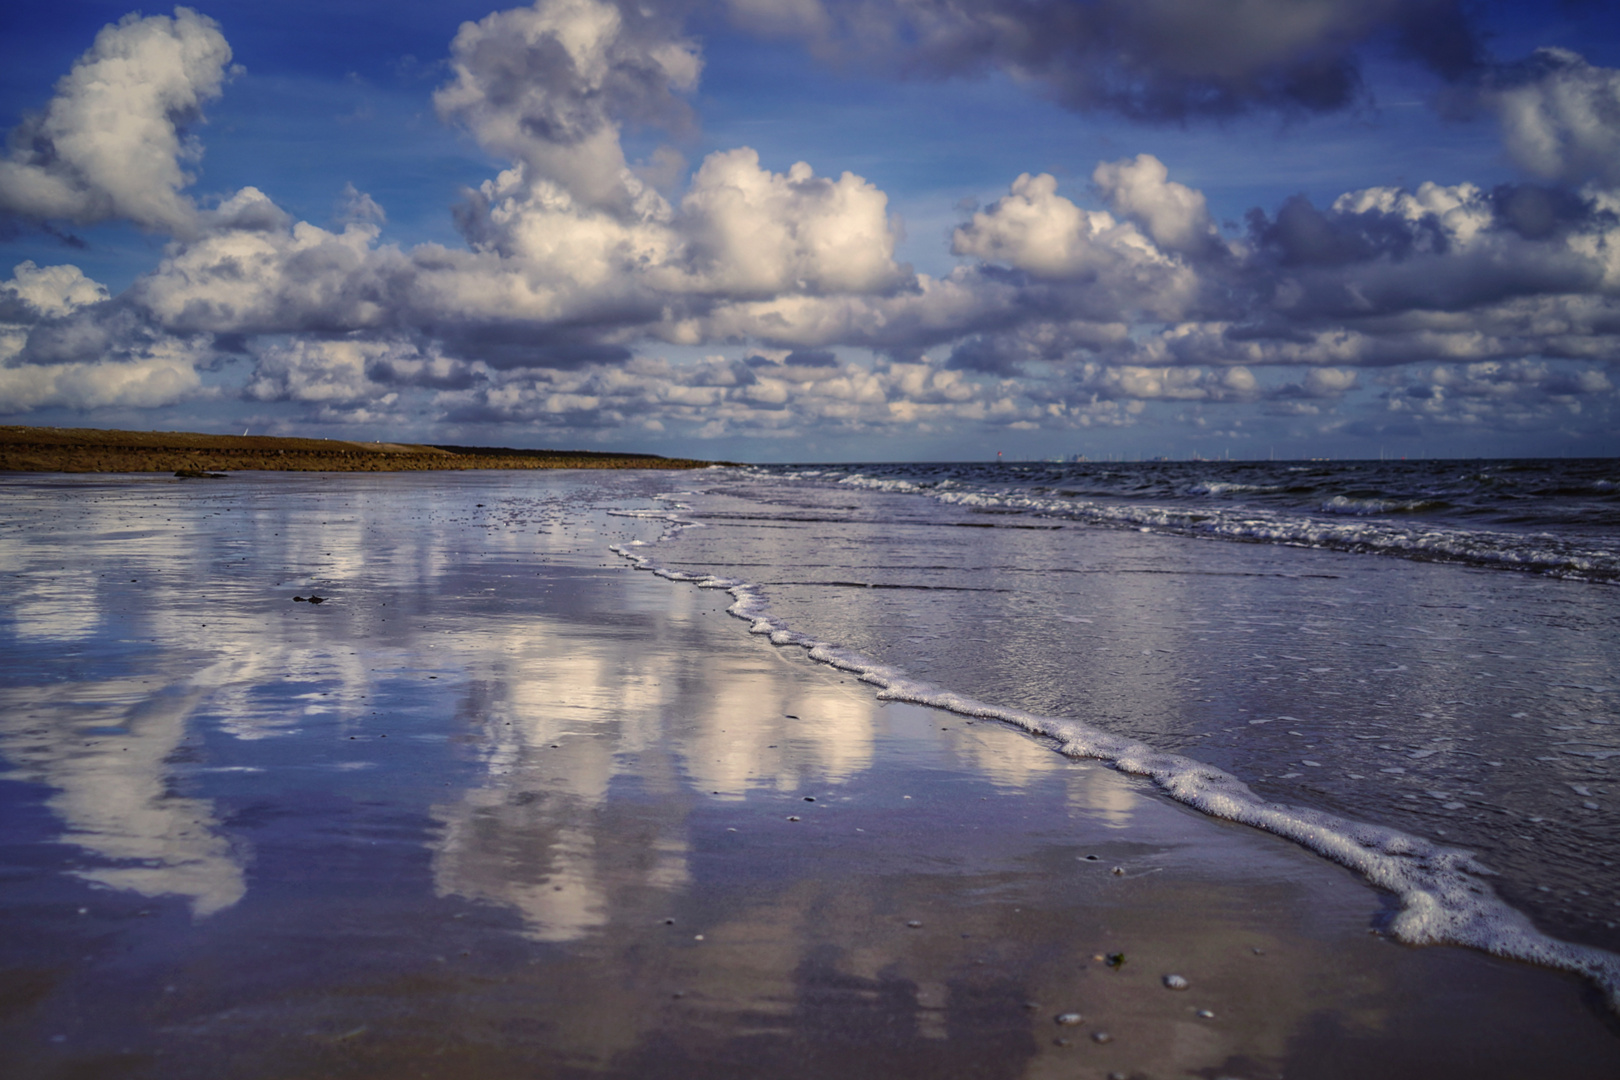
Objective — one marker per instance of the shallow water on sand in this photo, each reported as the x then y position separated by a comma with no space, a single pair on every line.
500,806
1476,707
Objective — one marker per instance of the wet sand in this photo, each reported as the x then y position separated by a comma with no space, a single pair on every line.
502,806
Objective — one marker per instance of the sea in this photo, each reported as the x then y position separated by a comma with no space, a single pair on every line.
1409,667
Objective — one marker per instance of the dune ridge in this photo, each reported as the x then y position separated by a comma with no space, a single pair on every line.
96,450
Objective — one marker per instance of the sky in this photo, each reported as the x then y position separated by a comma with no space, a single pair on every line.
821,230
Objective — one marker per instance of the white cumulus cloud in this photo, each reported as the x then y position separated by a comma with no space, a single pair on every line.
110,144
1560,116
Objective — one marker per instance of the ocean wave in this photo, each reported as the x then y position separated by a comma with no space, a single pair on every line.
1539,553
879,483
1392,515
1217,488
1444,892
1343,504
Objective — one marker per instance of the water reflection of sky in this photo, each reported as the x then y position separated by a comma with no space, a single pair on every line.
147,617
499,783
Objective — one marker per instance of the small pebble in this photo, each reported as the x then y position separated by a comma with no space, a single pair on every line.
1205,1014
914,923
1061,1041
1093,858
793,817
1116,960
1175,982
1067,1019
809,798
1101,1037
1032,1005
1118,871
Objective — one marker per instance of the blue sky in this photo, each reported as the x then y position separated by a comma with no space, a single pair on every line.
781,230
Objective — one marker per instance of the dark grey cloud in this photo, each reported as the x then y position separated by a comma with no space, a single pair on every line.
1153,60
812,358
1300,235
1438,249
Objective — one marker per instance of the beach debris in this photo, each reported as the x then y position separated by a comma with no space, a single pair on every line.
1176,982
1068,1019
1101,1037
793,817
310,599
198,474
1115,960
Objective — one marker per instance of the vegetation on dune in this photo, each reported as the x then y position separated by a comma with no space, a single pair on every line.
40,449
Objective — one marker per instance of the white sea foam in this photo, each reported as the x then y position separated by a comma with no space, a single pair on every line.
1444,892
1342,523
879,483
1218,487
1343,504
1362,533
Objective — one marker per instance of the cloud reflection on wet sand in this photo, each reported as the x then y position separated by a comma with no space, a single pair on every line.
513,812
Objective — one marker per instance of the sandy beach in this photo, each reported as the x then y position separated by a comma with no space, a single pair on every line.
500,805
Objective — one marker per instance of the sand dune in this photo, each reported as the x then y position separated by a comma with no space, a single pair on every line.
41,449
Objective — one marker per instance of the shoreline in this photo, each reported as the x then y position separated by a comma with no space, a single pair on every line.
1443,892
96,450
